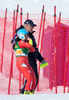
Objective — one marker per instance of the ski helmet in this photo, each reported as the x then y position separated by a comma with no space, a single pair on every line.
21,33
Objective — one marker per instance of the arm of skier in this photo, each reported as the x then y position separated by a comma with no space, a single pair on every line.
23,44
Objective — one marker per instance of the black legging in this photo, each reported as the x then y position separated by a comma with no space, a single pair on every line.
34,67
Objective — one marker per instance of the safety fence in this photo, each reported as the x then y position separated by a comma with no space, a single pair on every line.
52,37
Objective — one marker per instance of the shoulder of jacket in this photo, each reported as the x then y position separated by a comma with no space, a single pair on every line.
33,36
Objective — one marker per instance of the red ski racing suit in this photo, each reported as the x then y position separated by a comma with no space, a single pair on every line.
21,49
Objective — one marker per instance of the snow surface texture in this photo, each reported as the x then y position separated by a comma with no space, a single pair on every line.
36,97
15,91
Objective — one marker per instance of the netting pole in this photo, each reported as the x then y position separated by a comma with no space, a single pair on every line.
66,65
27,19
40,25
3,39
11,67
16,16
43,31
58,27
20,72
21,16
68,53
12,37
54,61
27,16
41,45
39,35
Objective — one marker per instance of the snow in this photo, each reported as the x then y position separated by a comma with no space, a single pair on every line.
39,95
36,97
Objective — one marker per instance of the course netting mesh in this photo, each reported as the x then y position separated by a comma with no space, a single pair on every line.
52,78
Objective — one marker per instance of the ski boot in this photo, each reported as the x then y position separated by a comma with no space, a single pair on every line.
28,92
23,88
32,92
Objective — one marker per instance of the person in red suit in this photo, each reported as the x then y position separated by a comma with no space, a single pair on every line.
22,48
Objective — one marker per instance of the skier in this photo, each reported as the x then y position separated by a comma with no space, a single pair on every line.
32,56
22,48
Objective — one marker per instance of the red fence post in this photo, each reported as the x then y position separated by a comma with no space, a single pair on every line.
41,45
54,61
21,16
40,25
3,39
20,72
11,67
43,31
39,35
58,27
66,66
16,16
68,53
27,16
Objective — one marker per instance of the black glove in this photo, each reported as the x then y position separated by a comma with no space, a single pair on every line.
14,46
